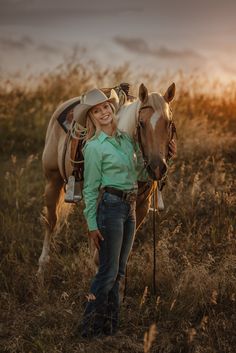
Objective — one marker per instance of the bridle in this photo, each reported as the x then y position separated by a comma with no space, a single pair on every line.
161,183
139,127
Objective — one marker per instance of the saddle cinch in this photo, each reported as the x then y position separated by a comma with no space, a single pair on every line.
76,137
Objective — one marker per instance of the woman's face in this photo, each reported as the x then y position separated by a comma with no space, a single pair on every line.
102,113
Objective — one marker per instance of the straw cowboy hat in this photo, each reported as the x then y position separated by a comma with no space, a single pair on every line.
89,100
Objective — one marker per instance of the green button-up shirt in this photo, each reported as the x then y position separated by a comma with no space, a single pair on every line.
114,161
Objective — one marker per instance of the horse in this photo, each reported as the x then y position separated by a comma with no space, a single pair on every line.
147,120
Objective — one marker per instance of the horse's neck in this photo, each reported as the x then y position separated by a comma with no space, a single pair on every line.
127,117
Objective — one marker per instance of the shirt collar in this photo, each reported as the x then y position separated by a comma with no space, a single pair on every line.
103,136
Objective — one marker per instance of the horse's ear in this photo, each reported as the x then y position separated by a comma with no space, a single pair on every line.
143,93
170,93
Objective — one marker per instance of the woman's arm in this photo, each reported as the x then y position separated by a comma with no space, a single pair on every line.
92,181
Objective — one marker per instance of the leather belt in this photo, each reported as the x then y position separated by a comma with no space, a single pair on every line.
128,196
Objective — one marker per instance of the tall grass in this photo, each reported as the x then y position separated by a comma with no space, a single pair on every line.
194,307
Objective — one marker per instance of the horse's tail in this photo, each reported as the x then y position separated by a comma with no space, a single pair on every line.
63,211
55,214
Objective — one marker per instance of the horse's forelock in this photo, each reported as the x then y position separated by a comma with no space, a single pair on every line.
158,103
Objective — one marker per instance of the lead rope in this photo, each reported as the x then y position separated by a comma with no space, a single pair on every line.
154,207
125,284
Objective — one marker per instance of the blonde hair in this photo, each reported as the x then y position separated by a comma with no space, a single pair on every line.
94,128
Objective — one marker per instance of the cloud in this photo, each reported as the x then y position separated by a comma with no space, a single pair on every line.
48,49
26,43
19,10
140,46
73,4
9,43
170,53
136,45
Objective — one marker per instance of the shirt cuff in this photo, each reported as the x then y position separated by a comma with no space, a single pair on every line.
92,225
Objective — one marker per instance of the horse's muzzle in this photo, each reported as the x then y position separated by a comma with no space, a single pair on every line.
158,169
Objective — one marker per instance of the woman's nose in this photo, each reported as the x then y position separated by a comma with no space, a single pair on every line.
104,110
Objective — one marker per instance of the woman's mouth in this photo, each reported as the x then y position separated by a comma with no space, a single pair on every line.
105,117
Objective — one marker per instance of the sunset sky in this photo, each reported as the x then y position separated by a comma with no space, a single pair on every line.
158,36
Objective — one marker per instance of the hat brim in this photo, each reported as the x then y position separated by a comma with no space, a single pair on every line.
81,110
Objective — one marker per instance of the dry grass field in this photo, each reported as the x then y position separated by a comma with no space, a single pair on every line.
194,310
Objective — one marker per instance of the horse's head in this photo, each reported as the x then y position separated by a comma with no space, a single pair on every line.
155,129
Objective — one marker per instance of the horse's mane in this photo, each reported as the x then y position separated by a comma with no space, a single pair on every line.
157,101
127,116
128,113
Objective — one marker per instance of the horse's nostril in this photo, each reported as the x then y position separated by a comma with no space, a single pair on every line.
159,167
154,165
163,169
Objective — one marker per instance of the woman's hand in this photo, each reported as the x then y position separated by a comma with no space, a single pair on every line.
96,236
172,149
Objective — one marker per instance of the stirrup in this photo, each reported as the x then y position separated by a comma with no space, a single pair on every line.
73,190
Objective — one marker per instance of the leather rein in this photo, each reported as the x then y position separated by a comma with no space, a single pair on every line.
160,185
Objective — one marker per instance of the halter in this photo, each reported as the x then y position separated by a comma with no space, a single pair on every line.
145,159
172,133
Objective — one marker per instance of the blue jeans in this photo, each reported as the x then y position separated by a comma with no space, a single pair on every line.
116,222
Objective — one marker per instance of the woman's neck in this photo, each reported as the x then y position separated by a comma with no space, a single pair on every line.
108,129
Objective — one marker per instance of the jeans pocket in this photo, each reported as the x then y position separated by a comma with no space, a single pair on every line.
111,200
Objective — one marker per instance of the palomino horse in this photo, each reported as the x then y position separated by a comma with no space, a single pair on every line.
147,119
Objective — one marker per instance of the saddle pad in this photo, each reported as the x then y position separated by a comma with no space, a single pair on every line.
65,119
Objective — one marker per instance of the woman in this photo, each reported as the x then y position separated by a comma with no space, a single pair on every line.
110,176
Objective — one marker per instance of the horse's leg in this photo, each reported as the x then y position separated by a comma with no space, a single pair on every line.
53,190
